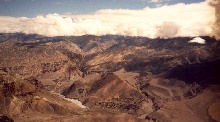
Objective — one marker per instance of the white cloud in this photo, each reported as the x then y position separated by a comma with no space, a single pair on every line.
216,25
197,40
165,21
213,1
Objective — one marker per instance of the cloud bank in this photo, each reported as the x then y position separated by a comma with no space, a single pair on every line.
165,21
216,25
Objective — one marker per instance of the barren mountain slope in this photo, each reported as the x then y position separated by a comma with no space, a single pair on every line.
116,78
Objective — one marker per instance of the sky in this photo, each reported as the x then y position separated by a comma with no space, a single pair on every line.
147,18
32,8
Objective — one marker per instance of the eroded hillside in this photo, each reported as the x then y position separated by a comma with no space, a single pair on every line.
116,78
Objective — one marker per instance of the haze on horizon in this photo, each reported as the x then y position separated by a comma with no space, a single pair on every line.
148,18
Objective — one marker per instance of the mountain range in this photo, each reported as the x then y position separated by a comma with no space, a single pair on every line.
108,78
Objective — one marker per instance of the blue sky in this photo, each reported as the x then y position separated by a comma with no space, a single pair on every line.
32,8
